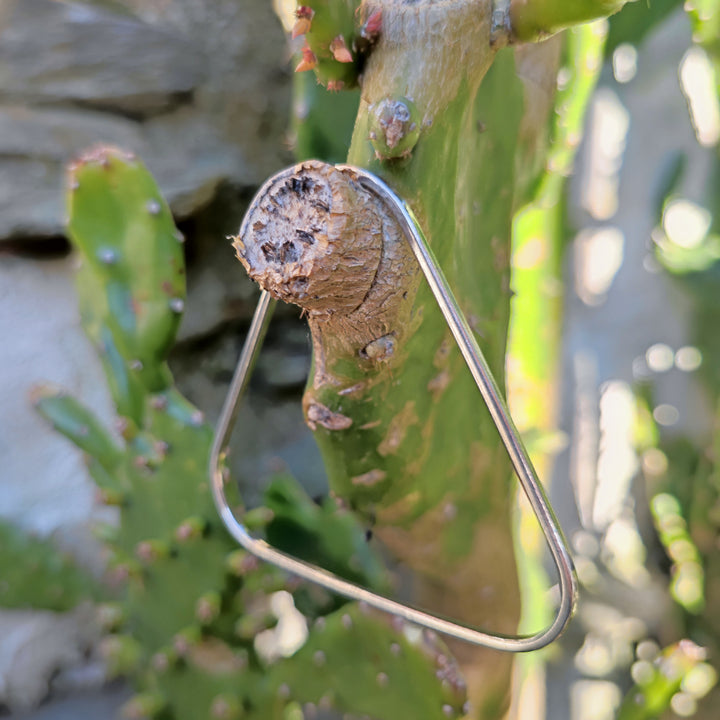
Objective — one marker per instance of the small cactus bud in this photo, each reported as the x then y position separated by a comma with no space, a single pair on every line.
124,571
226,707
122,654
162,660
207,607
340,51
158,402
303,22
186,639
319,658
394,127
149,551
143,707
335,85
110,616
372,26
308,61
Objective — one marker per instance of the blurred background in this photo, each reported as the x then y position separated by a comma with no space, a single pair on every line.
202,92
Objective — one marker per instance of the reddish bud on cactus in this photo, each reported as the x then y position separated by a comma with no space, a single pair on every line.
240,563
301,26
110,616
226,707
309,60
340,51
335,85
148,551
190,529
185,640
371,29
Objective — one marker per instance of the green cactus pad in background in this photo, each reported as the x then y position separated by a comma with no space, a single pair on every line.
36,574
132,280
402,669
195,609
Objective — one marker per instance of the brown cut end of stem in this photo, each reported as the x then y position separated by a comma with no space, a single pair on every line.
312,238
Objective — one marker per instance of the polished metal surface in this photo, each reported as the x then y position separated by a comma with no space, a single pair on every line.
498,409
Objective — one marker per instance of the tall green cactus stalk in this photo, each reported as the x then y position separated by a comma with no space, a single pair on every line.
536,321
683,474
194,609
446,120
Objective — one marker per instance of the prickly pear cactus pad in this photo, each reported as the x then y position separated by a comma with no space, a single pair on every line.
201,626
35,574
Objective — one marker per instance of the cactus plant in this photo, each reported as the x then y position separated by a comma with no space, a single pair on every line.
35,574
446,121
464,158
192,606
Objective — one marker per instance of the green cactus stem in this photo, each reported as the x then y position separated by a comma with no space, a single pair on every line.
322,121
330,50
405,437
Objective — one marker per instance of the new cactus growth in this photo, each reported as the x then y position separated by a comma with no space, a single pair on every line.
35,574
329,28
194,606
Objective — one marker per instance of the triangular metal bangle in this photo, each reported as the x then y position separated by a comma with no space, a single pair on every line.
498,410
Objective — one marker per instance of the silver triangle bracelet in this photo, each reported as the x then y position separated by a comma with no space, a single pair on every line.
497,407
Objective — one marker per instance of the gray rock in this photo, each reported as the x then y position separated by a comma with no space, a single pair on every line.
35,646
183,149
70,52
195,89
35,143
44,481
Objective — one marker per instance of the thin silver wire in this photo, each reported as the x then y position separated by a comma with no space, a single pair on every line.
490,392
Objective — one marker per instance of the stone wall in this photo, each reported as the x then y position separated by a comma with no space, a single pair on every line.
200,91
